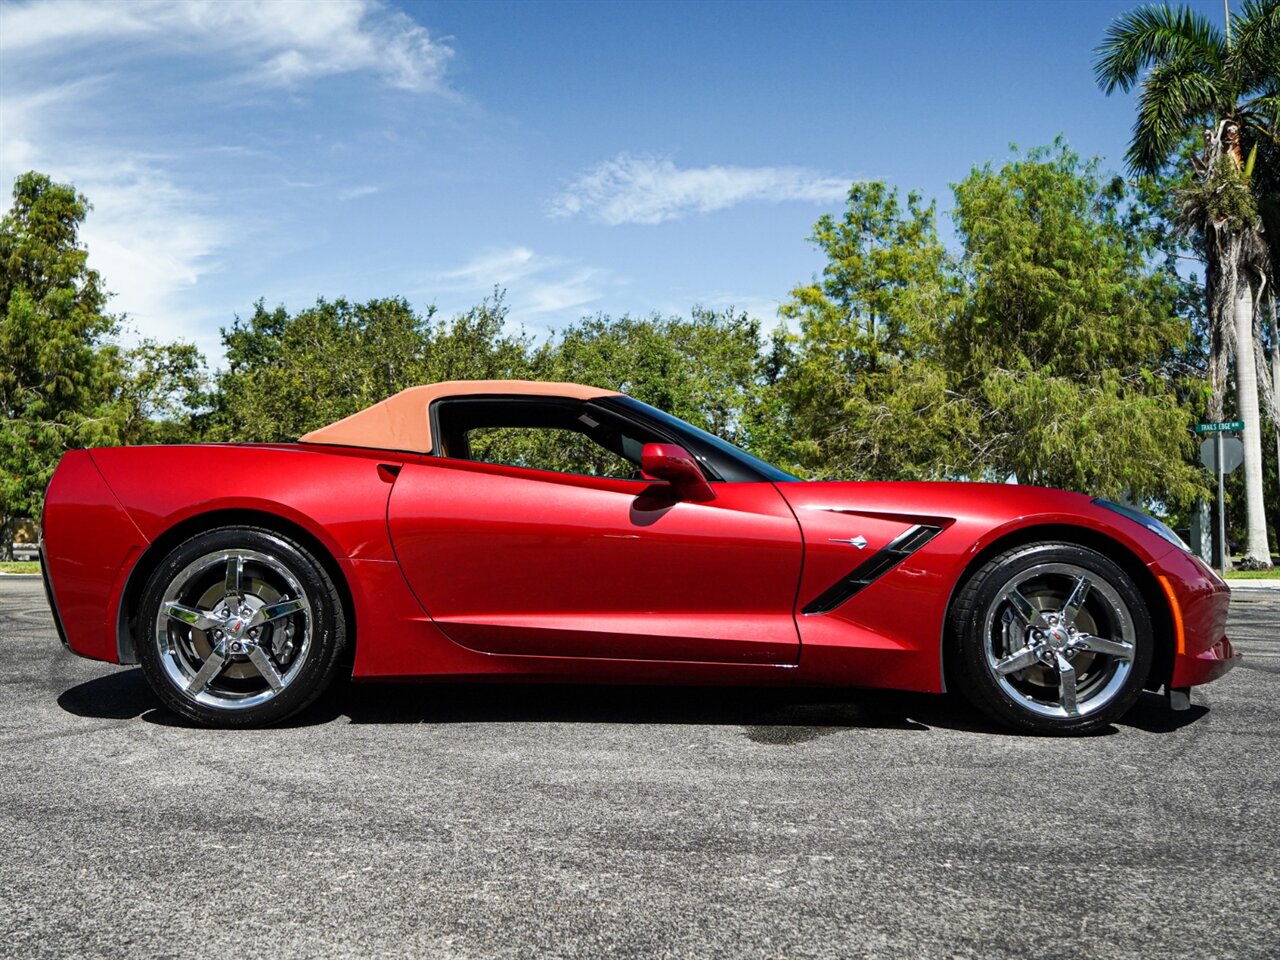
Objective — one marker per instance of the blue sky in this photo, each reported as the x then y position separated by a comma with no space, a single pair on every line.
585,156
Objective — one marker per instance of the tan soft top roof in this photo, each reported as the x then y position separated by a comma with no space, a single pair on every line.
400,422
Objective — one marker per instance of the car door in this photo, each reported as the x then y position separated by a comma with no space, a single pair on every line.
512,559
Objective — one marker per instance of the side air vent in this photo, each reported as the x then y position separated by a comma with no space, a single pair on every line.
873,568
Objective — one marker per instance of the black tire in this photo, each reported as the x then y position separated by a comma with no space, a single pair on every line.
1013,624
252,633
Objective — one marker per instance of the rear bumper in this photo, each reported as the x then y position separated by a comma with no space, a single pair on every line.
1199,601
48,595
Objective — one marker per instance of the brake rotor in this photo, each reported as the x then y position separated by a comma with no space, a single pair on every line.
257,594
1042,674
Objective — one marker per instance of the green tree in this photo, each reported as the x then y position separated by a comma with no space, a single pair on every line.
288,374
162,394
702,369
1194,76
1072,342
477,344
1055,349
58,370
863,388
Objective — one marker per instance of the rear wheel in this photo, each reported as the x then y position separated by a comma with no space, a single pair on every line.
1051,638
241,627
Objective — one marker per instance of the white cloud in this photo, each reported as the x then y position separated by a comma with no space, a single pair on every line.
539,287
275,42
760,308
499,267
148,237
156,231
645,189
23,119
577,290
32,26
355,193
151,240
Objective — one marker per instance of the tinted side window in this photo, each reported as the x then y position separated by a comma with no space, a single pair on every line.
547,448
565,436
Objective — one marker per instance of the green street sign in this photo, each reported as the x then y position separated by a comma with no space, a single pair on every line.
1220,427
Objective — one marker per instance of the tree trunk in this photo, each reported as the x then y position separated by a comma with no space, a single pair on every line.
1275,395
1275,403
1275,354
1257,553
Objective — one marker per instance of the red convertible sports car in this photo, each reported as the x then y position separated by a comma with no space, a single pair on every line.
510,529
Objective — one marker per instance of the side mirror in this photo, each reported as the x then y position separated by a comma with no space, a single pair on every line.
666,461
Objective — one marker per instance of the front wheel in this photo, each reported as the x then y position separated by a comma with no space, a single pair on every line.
240,627
1051,638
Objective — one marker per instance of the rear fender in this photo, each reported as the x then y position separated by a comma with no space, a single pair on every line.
335,502
90,545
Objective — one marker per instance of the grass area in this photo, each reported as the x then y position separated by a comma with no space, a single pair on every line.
1273,574
19,566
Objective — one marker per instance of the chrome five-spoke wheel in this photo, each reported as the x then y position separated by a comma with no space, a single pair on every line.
1052,637
233,629
1061,639
244,627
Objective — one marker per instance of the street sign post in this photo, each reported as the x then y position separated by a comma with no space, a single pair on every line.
1221,456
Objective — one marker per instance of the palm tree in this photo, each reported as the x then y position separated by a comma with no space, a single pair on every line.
1194,76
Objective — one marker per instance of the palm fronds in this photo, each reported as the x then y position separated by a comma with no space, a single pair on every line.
1156,34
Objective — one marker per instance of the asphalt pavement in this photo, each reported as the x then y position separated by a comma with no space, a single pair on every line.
497,821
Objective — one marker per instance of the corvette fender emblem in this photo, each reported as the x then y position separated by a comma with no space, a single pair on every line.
858,541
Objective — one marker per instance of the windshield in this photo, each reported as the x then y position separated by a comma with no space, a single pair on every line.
753,464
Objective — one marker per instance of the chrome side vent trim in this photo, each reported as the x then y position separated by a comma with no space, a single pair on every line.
872,569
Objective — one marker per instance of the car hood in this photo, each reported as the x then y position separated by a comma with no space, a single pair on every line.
979,513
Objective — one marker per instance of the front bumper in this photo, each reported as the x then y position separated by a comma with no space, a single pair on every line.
1205,666
1199,601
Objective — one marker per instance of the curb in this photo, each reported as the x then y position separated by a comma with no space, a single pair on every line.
1252,585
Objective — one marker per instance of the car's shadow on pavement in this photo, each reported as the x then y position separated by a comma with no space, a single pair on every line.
771,716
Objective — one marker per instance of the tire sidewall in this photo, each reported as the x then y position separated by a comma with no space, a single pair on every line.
326,621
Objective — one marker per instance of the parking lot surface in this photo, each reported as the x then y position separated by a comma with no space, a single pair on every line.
498,821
